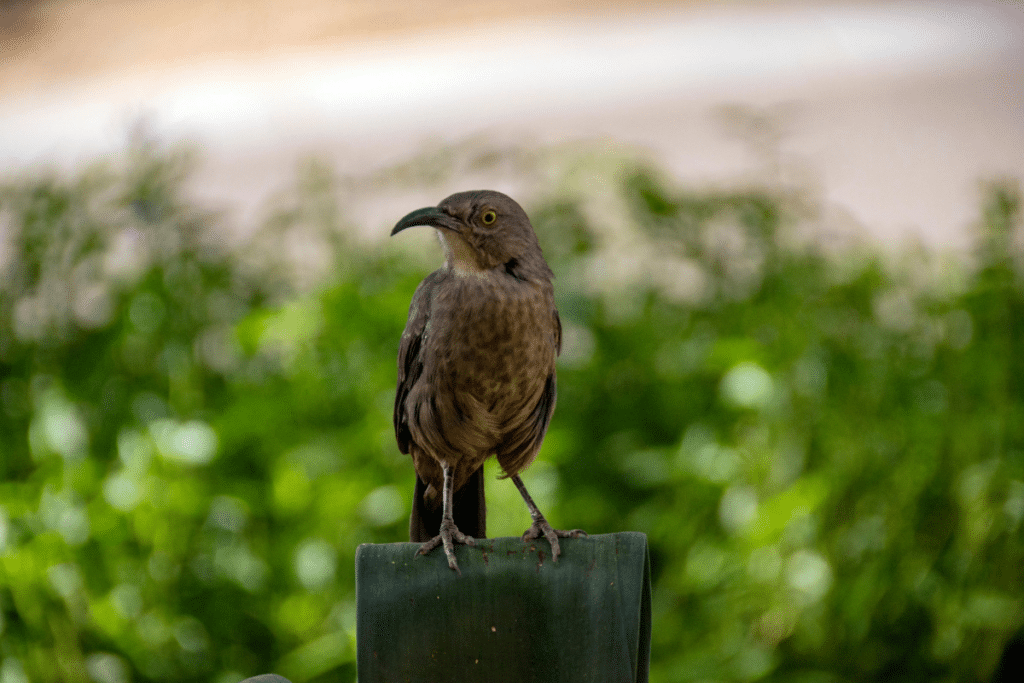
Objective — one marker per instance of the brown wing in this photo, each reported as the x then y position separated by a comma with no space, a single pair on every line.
521,445
410,362
558,334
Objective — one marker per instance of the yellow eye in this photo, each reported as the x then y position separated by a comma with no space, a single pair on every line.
489,217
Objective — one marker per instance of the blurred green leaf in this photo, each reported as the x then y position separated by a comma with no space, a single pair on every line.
825,448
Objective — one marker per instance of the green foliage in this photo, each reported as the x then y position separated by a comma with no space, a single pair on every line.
826,450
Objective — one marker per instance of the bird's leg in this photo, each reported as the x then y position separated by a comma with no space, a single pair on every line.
449,534
540,526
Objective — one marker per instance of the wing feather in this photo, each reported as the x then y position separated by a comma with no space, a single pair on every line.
522,443
410,360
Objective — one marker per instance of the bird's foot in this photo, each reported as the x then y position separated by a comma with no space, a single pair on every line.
540,527
448,536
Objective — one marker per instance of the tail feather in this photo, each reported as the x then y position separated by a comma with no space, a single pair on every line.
469,509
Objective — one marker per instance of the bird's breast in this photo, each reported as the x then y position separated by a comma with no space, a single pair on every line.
496,338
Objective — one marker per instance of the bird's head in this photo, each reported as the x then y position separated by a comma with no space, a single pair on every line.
482,230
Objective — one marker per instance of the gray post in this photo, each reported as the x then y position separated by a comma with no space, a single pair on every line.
512,615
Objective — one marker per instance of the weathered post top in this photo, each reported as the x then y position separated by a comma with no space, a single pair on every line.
513,615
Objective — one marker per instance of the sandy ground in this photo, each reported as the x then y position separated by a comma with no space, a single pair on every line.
54,42
894,112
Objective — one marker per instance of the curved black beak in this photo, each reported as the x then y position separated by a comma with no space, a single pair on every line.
432,216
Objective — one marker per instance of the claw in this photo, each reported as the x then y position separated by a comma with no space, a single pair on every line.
448,535
540,527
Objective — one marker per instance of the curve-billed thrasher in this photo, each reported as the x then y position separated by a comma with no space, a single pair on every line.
476,367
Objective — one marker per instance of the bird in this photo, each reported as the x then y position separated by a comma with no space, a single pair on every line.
476,368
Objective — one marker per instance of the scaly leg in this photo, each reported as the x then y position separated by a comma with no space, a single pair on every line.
540,526
449,534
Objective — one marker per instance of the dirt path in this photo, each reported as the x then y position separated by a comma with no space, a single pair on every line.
51,42
893,112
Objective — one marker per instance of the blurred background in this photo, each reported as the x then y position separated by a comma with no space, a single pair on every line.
787,239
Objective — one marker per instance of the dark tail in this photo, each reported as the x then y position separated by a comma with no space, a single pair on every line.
468,508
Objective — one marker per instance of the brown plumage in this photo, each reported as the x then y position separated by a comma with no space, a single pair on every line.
476,366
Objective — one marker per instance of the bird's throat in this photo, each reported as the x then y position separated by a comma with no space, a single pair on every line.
459,256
